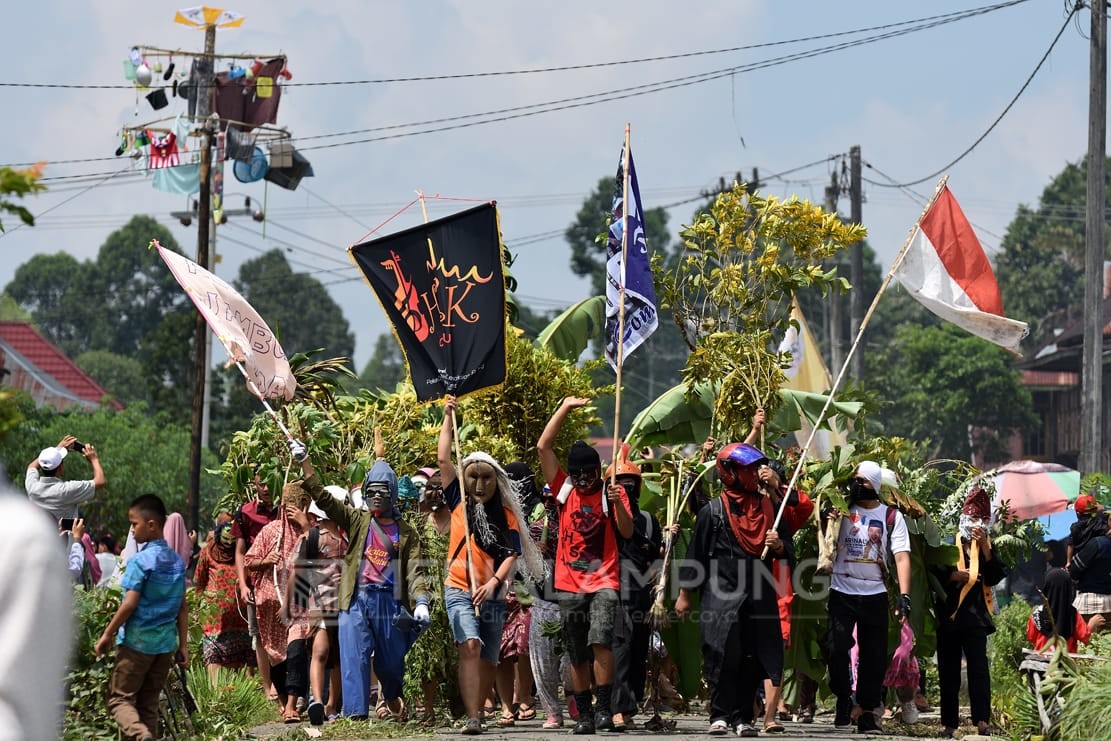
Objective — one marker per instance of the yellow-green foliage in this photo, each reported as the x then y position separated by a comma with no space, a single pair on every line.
505,422
730,293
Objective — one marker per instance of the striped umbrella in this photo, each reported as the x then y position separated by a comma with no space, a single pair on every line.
1032,488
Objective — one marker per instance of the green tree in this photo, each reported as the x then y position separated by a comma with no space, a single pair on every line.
386,367
19,183
295,305
11,311
941,382
120,376
140,454
1041,265
588,255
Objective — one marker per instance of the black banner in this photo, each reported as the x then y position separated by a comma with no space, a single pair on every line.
442,286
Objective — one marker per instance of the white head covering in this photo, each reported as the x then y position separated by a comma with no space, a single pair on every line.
871,472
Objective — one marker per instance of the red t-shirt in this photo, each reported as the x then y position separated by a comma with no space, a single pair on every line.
251,518
586,555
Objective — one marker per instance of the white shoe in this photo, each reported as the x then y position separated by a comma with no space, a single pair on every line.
747,730
910,712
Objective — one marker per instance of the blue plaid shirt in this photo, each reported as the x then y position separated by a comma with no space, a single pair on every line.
158,574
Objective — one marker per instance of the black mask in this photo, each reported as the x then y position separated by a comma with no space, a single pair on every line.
857,490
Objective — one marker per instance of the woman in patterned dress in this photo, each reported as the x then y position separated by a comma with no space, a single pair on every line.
226,640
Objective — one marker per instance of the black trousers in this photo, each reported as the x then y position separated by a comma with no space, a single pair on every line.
631,634
973,645
868,614
297,668
733,695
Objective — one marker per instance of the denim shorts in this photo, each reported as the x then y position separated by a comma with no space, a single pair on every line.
465,625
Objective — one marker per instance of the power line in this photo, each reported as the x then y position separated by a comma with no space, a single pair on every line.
956,15
1076,7
506,114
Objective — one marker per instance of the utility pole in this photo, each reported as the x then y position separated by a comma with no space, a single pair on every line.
856,271
833,328
1091,401
204,224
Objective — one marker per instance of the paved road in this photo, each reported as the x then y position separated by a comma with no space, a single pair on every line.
687,727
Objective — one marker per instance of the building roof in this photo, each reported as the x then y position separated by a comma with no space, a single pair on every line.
60,372
1063,352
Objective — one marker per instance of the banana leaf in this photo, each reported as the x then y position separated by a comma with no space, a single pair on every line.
804,403
673,420
569,333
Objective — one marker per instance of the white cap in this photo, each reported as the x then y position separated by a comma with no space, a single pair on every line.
315,510
51,458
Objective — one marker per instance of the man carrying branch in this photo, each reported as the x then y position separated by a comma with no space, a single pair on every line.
587,568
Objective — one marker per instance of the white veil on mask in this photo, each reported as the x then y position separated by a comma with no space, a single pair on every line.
531,563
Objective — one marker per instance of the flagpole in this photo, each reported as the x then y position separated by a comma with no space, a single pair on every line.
620,314
458,454
849,356
258,394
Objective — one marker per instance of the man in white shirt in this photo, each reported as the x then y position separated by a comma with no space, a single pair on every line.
858,596
46,488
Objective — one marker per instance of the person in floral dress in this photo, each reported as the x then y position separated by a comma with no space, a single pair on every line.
226,639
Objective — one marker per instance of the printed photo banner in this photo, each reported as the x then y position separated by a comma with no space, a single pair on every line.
242,332
442,286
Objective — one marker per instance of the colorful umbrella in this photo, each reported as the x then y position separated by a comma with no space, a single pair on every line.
1032,488
203,16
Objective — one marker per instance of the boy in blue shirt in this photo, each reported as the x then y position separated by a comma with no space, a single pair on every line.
152,622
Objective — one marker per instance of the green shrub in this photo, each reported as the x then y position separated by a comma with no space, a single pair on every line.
86,715
229,703
1010,695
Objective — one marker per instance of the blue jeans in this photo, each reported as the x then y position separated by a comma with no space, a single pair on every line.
366,631
486,627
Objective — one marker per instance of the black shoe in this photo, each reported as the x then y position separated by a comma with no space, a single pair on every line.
843,716
316,713
585,726
603,722
867,723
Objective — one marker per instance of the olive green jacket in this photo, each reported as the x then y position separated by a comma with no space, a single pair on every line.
411,580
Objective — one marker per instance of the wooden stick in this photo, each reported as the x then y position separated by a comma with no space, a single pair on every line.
471,581
620,318
849,356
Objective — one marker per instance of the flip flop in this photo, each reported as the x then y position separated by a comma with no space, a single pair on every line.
526,712
506,721
290,717
774,727
381,711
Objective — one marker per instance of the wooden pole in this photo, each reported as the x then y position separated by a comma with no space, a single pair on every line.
848,358
1091,376
471,581
620,316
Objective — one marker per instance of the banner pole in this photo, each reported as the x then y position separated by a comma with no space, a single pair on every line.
620,315
848,359
266,405
471,581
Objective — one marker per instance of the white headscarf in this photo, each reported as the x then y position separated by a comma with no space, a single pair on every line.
531,563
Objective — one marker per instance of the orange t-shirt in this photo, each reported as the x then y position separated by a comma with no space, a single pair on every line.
484,566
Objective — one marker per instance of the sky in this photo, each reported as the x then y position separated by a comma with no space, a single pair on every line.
913,103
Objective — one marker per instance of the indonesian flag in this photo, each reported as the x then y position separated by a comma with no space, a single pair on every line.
946,270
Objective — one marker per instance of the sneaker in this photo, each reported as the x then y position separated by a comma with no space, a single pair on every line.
747,730
867,723
316,713
910,712
584,726
472,727
603,722
843,717
718,728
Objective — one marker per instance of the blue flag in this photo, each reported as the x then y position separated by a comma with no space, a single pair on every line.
641,317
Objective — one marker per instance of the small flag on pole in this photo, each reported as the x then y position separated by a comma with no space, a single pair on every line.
634,274
245,336
808,373
945,269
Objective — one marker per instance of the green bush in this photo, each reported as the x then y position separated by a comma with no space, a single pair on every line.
229,703
1010,695
86,716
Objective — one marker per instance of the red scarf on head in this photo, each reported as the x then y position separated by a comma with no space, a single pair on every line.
750,516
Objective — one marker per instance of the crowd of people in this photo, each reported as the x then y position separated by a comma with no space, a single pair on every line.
546,591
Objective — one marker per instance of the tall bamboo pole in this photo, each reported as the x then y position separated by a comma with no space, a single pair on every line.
620,314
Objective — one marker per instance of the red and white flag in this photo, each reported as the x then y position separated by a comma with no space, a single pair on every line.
946,270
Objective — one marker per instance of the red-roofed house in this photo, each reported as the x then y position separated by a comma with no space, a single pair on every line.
33,364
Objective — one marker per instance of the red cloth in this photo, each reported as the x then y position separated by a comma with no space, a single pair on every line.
250,519
750,516
220,586
795,515
586,556
1080,634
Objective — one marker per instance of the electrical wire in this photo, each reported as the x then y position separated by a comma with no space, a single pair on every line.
58,205
515,112
560,68
999,118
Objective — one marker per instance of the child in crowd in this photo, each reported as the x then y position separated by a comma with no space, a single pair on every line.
1057,617
152,622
